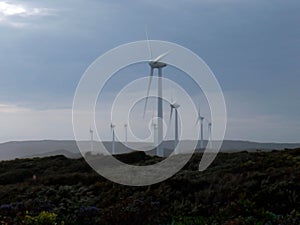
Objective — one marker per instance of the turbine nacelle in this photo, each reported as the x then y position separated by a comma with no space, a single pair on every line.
174,105
200,118
157,64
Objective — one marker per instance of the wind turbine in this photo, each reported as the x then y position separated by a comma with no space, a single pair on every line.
154,125
112,128
175,106
156,64
125,127
92,139
209,134
200,119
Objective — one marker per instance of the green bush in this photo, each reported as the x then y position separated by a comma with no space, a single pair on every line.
44,218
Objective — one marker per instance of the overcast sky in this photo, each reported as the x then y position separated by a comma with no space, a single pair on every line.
252,46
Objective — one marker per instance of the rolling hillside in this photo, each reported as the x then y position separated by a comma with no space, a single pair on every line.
29,149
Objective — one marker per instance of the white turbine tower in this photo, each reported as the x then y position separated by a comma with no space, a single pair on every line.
200,119
156,64
209,134
92,139
126,134
154,125
112,127
175,106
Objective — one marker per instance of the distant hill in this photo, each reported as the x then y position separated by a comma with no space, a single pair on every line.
230,145
69,148
24,149
63,152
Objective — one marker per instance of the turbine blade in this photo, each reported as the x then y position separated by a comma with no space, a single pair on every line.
158,58
148,90
197,121
171,113
149,46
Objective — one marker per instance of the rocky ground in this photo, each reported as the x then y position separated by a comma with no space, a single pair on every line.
238,188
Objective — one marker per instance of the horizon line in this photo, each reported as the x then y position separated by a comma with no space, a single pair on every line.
121,141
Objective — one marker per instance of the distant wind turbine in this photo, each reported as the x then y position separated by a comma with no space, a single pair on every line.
209,134
175,106
92,139
200,119
125,128
112,127
156,64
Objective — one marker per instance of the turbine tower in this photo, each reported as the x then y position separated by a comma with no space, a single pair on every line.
125,128
156,64
175,106
200,119
209,134
92,139
154,125
112,127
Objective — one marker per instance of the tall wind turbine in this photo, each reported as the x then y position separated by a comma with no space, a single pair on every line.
112,127
175,106
92,139
125,128
156,64
200,119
